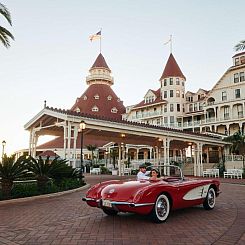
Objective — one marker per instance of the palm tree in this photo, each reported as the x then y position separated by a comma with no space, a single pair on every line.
238,142
92,148
44,170
4,33
11,170
240,46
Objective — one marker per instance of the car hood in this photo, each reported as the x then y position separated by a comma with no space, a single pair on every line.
125,191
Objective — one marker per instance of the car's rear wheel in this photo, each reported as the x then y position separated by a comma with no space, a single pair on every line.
110,212
209,201
161,209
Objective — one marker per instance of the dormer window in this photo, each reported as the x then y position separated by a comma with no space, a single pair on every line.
236,61
109,97
85,97
114,110
96,97
77,109
95,108
118,100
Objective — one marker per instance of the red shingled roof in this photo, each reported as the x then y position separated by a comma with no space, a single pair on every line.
172,69
87,101
156,101
100,63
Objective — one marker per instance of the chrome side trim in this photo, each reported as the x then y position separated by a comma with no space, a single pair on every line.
131,204
88,199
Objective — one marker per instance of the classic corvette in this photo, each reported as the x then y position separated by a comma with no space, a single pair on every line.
156,198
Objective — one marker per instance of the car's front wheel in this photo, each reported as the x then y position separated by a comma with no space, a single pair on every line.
110,212
209,201
161,209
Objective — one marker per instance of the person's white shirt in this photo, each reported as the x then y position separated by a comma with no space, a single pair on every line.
143,176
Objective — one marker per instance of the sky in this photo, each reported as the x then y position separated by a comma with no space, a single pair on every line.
52,54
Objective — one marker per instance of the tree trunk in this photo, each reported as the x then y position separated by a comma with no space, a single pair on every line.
6,188
42,183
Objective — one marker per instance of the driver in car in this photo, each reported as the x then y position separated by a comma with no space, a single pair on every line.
143,174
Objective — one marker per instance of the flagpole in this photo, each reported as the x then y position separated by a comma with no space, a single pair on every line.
170,44
100,39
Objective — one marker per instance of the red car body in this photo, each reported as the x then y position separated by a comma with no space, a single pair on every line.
142,196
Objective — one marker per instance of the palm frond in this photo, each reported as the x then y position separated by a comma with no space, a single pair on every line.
4,36
4,11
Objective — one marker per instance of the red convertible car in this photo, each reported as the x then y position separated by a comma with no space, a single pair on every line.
156,198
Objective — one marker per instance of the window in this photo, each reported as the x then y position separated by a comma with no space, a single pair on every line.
195,107
239,111
183,84
95,108
236,78
85,97
158,121
190,108
114,110
165,94
178,107
165,82
155,109
237,93
165,108
226,112
177,93
96,97
183,95
77,109
166,120
242,59
177,81
171,107
109,97
171,93
171,81
236,61
171,119
242,77
224,96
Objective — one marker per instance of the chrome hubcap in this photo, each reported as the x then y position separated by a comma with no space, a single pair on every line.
162,207
211,198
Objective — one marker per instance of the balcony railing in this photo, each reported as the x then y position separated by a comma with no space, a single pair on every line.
147,114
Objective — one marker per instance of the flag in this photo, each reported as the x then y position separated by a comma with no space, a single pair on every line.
96,36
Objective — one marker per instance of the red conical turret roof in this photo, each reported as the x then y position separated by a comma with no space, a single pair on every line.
100,62
102,97
172,69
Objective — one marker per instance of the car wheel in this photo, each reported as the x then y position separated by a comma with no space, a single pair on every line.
110,212
209,201
161,209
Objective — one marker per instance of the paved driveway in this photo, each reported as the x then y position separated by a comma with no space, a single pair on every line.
68,220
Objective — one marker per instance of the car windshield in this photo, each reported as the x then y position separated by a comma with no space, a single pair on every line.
170,171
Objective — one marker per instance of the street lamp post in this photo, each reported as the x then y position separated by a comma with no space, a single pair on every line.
82,126
3,144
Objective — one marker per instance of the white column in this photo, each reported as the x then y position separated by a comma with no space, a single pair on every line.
65,139
193,149
69,142
75,144
119,159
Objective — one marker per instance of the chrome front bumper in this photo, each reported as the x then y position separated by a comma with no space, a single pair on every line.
131,204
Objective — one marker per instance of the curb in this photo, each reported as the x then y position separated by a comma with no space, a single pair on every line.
26,199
